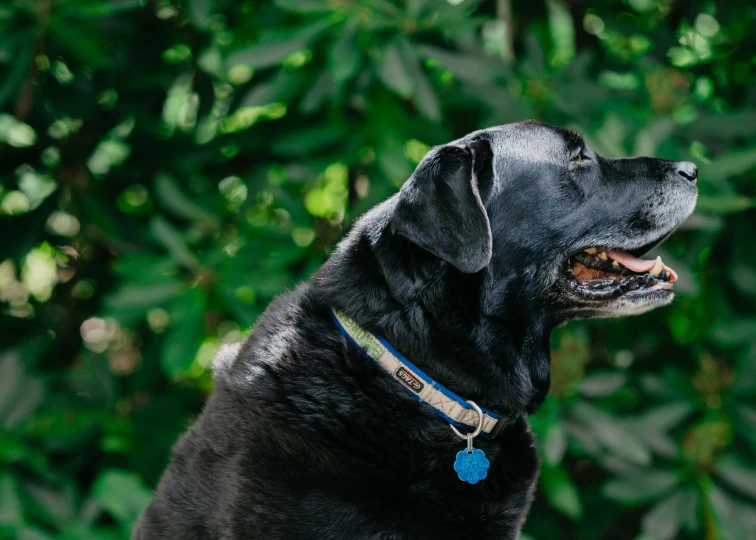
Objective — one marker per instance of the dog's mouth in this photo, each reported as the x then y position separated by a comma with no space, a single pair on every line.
600,273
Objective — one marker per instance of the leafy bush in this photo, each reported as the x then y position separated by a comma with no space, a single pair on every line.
168,167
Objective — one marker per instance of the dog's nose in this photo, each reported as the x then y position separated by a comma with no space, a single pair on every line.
687,170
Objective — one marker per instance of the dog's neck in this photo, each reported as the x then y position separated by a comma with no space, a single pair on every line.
433,315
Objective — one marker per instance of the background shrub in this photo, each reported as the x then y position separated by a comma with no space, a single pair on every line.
168,167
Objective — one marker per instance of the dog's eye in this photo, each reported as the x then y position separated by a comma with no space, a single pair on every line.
580,157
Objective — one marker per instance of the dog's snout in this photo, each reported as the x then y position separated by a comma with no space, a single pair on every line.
687,170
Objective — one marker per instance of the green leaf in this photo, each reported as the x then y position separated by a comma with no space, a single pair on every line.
602,384
93,380
642,486
172,241
737,475
11,375
727,514
738,123
733,163
21,393
281,87
610,432
665,519
31,533
555,444
80,40
142,297
394,163
648,140
308,140
83,532
344,55
27,230
323,88
735,332
724,204
424,96
200,12
182,341
474,68
651,427
393,72
57,503
11,512
168,192
266,54
240,304
122,495
302,6
561,491
667,416
263,55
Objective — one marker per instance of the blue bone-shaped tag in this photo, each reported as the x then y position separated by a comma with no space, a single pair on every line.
473,467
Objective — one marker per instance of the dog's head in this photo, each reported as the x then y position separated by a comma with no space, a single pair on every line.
548,220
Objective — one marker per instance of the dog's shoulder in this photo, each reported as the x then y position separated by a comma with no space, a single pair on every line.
272,338
225,357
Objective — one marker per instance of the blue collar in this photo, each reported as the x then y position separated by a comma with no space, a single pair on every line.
445,403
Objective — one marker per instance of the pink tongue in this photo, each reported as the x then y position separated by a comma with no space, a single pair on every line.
638,265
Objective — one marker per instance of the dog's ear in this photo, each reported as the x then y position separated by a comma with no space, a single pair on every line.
441,206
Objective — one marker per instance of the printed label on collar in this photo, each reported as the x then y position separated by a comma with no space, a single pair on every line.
363,338
409,380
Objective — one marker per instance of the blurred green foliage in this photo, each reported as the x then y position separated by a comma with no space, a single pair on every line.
169,166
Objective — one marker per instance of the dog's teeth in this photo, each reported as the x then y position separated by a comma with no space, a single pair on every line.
603,256
590,251
657,268
615,264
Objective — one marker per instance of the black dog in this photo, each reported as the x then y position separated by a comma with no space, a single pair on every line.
495,239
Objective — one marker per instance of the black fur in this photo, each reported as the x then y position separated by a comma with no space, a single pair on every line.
306,438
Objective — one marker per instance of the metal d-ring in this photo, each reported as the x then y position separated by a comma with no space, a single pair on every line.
470,436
